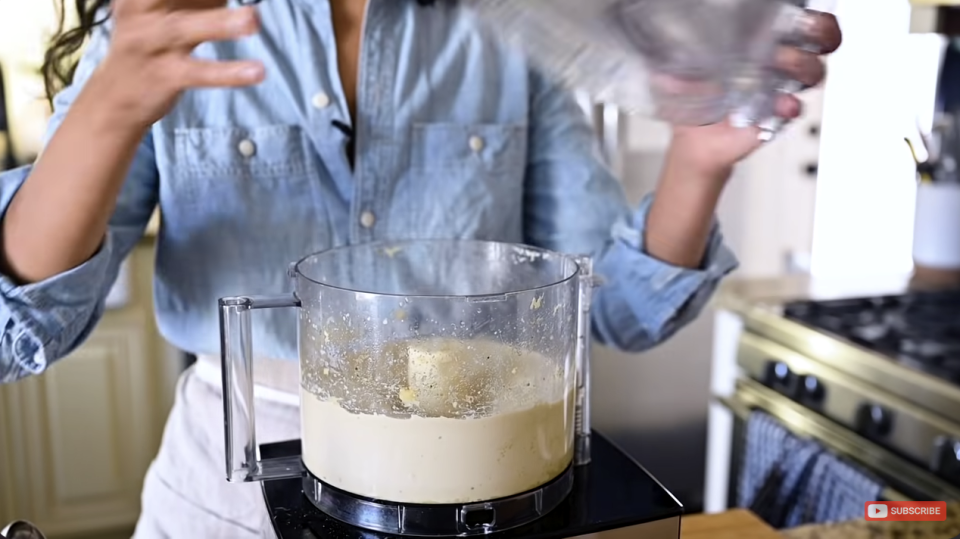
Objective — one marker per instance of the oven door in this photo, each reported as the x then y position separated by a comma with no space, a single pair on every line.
913,432
905,480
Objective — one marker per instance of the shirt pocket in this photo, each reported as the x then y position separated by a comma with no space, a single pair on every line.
268,152
477,147
468,179
258,184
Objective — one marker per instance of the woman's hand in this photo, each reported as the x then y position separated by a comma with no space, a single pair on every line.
58,218
149,61
700,160
713,150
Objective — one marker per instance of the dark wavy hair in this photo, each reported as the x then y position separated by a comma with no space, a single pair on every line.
61,58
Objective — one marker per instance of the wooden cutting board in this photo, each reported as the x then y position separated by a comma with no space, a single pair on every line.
734,524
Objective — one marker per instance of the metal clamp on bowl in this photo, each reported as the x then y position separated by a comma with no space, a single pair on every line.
588,281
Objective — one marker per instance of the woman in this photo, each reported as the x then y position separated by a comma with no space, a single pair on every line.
303,124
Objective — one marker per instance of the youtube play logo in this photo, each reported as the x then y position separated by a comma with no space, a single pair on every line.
877,510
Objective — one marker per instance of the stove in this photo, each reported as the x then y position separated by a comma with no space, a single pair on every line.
921,330
613,496
874,379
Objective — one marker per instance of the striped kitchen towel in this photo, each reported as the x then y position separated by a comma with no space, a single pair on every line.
789,481
835,492
775,465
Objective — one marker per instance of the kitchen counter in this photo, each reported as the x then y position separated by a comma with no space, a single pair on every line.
733,524
744,295
862,529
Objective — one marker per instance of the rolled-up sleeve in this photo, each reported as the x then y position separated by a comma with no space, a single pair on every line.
46,320
575,205
644,300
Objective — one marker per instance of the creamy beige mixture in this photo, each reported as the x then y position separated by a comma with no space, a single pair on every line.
520,437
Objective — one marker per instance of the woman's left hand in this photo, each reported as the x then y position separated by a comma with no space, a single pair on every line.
715,149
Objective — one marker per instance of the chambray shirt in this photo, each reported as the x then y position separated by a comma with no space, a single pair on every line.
456,137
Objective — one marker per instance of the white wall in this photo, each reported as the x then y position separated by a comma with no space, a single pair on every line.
881,82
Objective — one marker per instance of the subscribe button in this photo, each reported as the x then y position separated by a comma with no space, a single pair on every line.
906,511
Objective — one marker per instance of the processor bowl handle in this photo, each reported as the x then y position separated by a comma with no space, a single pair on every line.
239,419
588,280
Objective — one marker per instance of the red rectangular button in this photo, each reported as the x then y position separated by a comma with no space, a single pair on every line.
905,511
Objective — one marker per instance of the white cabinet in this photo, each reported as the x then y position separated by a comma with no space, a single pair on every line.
76,441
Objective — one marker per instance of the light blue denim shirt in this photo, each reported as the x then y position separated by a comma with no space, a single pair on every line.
456,137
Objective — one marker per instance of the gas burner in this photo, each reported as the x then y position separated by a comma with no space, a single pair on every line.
924,349
919,330
870,333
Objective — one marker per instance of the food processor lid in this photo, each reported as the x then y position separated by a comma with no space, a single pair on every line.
437,268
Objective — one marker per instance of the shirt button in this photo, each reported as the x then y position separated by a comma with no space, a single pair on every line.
321,100
476,143
367,219
247,148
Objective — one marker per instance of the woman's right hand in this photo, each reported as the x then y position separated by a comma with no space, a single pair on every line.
149,62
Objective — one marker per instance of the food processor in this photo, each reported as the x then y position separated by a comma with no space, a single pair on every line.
444,392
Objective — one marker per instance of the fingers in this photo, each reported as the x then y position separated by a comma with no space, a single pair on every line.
124,8
788,107
686,101
196,4
212,74
823,31
188,29
805,67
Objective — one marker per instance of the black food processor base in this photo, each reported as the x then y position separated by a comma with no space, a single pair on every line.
613,492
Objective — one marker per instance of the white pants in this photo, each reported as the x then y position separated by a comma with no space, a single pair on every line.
185,493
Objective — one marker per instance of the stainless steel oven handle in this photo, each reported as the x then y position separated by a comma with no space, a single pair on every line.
751,396
742,411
